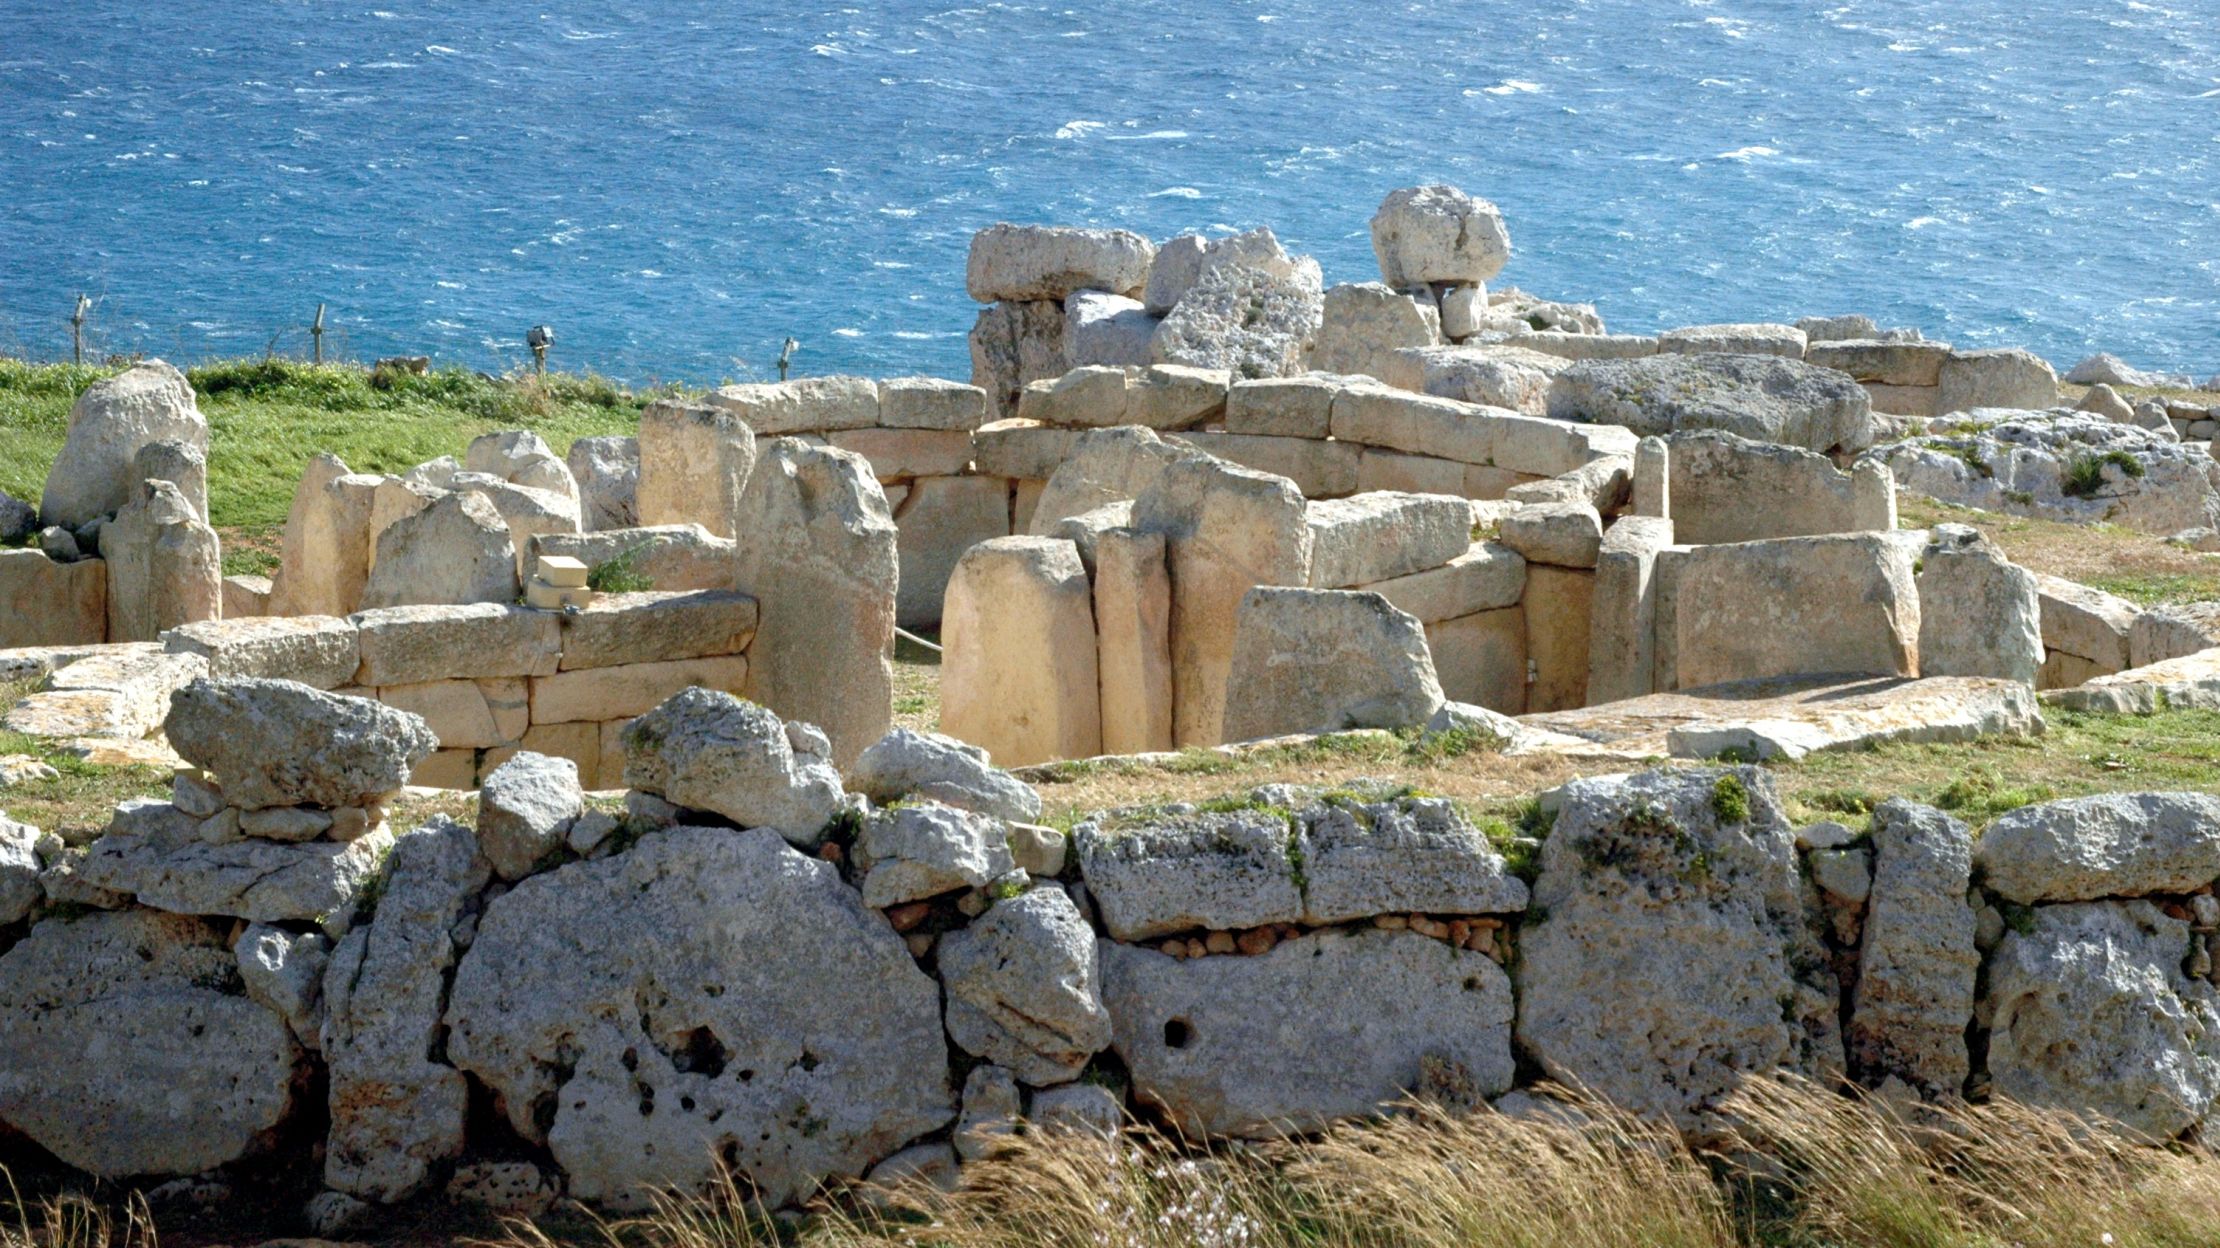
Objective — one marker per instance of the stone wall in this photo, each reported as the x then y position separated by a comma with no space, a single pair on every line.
818,977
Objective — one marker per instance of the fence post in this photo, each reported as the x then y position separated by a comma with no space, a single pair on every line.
786,356
316,336
77,330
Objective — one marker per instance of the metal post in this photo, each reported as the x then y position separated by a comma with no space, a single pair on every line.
77,330
786,356
316,336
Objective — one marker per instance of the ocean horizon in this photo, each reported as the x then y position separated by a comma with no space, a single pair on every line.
676,191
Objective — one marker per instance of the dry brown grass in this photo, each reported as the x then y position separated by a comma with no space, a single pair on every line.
2140,567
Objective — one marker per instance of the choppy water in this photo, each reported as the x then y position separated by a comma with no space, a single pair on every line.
677,188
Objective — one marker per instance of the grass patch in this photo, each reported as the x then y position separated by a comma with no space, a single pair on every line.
268,417
2084,474
2137,566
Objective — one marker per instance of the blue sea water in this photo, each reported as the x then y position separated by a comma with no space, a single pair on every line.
676,187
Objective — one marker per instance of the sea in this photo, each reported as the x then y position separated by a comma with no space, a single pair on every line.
675,188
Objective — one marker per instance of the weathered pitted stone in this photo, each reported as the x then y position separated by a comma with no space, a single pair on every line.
1403,855
2023,463
1746,338
2173,631
1424,234
1760,397
607,470
281,743
95,472
1567,535
1842,603
44,603
1013,344
395,1112
163,859
1105,466
165,566
804,405
1995,377
1725,488
19,870
655,627
1156,875
704,993
1102,328
119,691
930,403
927,765
457,550
1249,321
283,971
1023,987
817,551
525,808
1364,324
991,1109
2084,622
1025,262
2191,683
695,459
131,1052
913,852
1323,660
1082,1107
319,651
1329,1025
1979,614
2089,1011
324,557
706,750
1675,954
1916,968
1383,534
2108,845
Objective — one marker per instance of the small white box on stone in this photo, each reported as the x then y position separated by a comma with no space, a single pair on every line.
561,571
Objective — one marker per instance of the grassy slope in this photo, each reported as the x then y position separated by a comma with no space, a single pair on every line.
2139,567
268,417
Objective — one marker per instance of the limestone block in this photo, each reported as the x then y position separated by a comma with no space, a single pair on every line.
652,627
1177,396
1283,407
895,454
818,552
1996,377
1652,489
410,645
281,743
1558,605
395,500
2173,632
610,775
1498,375
455,710
1102,328
1622,632
1133,622
1013,344
1729,489
600,693
324,558
804,405
1921,401
2107,845
1320,660
1872,497
1917,962
669,557
1019,674
1379,536
1092,397
2087,623
1252,321
44,603
1882,362
1377,415
246,596
1225,529
1414,474
1567,535
1425,234
1364,324
316,650
1979,614
1573,346
128,688
1547,447
930,403
1103,466
1022,450
457,550
447,769
527,510
577,743
930,766
164,565
1026,262
1025,500
2066,671
1740,339
607,470
1158,874
94,474
182,464
1843,603
1481,658
1320,469
695,458
941,519
1764,398
1486,576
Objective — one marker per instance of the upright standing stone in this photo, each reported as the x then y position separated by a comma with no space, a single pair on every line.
1324,660
395,1112
95,472
457,550
1018,676
1622,621
182,464
941,519
1133,641
1979,613
607,470
324,560
1916,971
695,460
817,550
1363,325
1226,530
1653,494
165,566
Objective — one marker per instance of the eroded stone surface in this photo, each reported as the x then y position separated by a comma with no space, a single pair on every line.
1023,985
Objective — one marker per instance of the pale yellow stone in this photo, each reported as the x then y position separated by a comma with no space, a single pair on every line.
447,769
455,710
1133,641
610,775
509,700
1018,675
896,454
1557,627
1481,658
580,743
601,693
1410,474
542,596
561,571
1024,498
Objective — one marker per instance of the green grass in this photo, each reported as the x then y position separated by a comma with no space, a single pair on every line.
268,417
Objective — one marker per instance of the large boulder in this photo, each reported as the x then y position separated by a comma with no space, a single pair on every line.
1249,321
1676,952
1324,660
281,743
2107,845
1013,344
1028,262
1842,603
1363,325
2088,1010
1154,875
1399,855
1423,234
133,1050
1023,985
927,765
94,473
1102,328
1979,613
2070,466
395,1111
457,550
704,997
525,806
817,549
913,852
1019,673
1499,375
695,460
706,750
1761,397
1183,261
1917,963
324,556
165,565
607,470
1330,1025
155,852
1995,377
1105,466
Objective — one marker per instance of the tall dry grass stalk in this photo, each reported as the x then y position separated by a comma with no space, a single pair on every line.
68,1220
